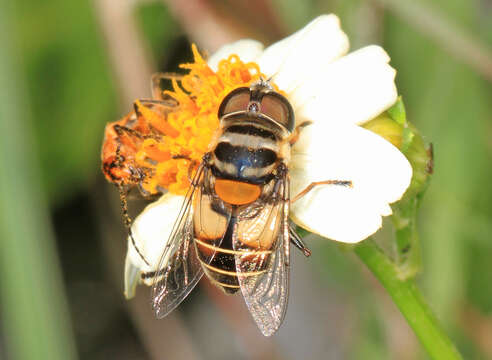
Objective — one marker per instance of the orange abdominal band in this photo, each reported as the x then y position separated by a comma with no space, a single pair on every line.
236,192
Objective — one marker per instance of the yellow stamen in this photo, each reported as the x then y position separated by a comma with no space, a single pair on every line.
187,129
155,120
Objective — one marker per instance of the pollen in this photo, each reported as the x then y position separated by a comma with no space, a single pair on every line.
175,139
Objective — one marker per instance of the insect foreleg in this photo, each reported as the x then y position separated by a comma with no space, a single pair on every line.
128,221
297,132
155,82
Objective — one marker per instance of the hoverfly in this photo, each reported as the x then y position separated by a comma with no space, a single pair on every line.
233,225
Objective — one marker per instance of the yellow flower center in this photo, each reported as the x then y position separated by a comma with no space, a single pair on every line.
188,128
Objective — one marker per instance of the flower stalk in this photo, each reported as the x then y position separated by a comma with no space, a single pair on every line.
407,242
397,276
409,300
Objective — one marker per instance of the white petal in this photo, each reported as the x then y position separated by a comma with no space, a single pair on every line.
132,277
379,172
386,210
353,89
247,50
151,231
305,52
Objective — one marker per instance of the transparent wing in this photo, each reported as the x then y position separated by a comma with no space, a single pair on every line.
179,268
262,238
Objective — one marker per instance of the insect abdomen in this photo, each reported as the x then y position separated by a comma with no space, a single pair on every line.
222,269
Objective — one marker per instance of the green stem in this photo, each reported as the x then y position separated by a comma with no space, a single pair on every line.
409,300
408,252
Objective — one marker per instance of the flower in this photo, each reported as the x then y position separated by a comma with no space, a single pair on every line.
335,92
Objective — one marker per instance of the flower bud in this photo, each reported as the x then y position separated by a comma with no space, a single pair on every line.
394,127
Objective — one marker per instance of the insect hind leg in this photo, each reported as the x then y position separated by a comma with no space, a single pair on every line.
347,183
298,242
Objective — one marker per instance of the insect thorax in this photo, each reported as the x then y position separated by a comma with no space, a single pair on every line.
248,150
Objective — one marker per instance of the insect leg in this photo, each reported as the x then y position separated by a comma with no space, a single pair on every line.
124,130
285,220
298,242
193,164
128,221
283,178
297,132
155,82
347,183
121,130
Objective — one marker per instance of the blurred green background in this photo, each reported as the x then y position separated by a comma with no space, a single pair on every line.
69,67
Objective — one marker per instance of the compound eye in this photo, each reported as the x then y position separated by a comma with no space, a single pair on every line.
236,100
279,109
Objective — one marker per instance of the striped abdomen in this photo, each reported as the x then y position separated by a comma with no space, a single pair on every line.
222,269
